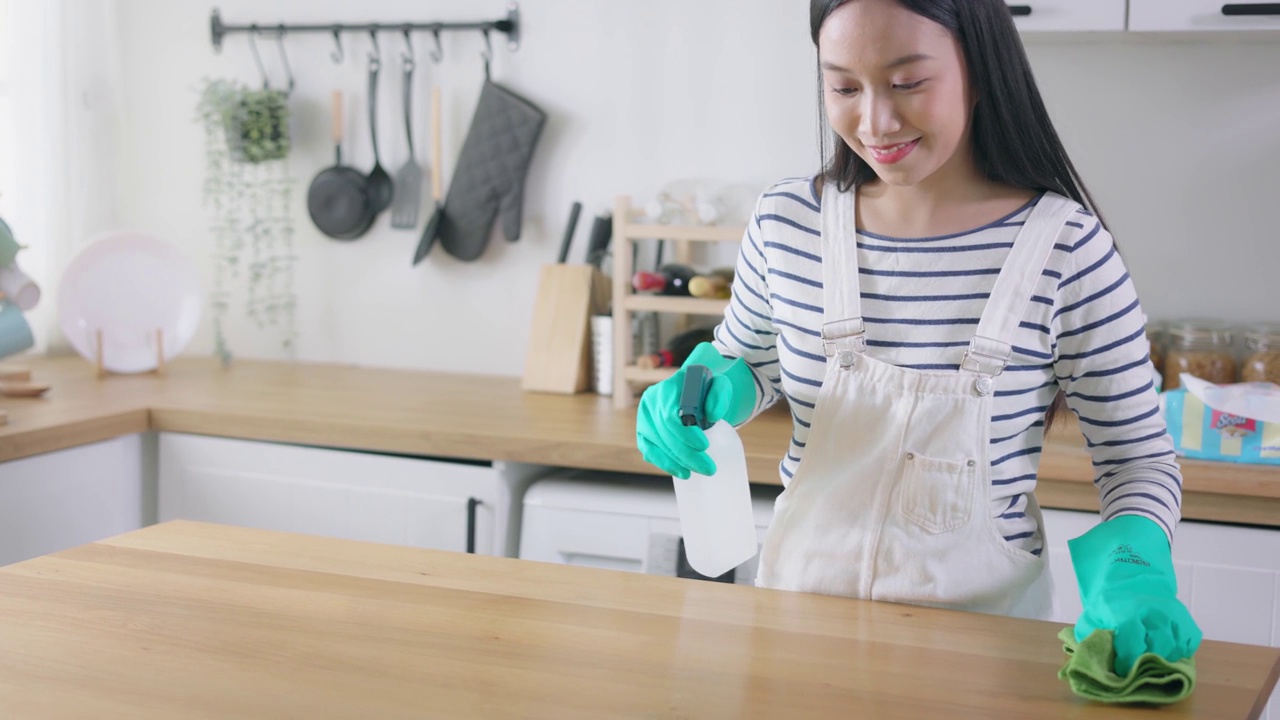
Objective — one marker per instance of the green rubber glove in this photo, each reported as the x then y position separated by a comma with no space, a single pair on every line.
675,448
1127,585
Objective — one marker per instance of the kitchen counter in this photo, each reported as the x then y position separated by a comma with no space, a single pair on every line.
199,621
477,417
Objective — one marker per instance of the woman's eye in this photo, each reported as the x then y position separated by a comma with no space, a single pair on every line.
909,86
846,91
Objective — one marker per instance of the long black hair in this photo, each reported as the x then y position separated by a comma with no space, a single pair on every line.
1014,141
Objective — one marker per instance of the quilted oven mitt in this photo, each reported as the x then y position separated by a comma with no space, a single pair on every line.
489,178
1154,680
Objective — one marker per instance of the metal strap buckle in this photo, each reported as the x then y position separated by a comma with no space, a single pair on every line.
839,330
978,361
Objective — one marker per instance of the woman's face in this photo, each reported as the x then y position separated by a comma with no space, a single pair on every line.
896,90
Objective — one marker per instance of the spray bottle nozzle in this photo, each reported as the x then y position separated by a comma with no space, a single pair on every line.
697,380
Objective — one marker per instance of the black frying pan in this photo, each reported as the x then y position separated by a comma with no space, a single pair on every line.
338,199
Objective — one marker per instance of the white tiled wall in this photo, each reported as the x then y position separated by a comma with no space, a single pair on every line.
1228,576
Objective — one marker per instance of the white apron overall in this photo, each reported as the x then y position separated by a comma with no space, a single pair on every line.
892,499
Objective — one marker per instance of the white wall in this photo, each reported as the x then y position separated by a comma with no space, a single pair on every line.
1177,141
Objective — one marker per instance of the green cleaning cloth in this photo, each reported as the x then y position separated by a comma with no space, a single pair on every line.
1090,670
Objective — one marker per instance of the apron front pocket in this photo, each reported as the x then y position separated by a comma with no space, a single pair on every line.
937,494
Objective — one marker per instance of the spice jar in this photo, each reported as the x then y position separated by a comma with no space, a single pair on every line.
1201,348
1262,358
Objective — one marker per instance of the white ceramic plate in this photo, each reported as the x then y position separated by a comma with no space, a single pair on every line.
129,285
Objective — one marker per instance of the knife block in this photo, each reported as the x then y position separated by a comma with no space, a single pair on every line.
559,353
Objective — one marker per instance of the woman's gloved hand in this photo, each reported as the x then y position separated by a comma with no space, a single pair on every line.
1127,585
675,448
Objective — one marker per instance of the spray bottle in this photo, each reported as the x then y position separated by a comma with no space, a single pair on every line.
716,517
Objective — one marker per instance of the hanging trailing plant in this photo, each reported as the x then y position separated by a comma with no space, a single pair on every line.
258,126
249,191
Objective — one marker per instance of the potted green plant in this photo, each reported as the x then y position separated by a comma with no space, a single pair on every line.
249,190
256,122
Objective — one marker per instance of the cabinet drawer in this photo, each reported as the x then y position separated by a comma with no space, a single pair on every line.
1156,15
1069,15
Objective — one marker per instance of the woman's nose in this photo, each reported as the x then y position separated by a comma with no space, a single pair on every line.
879,118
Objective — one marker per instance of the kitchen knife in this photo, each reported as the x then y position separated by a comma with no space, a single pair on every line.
601,233
568,231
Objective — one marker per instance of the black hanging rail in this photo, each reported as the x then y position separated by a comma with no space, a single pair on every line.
509,26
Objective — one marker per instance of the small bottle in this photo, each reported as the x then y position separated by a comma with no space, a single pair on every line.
714,284
1201,348
644,333
677,350
669,280
1262,361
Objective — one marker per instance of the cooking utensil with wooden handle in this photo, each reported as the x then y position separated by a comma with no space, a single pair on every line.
432,230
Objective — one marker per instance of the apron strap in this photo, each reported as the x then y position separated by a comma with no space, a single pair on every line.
842,326
991,348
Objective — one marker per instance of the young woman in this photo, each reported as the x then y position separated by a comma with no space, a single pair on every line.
920,304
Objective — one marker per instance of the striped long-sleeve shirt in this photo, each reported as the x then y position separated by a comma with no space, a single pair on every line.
1083,332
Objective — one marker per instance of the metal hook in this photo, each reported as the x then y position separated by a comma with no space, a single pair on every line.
253,45
288,71
375,57
407,55
488,52
337,55
437,55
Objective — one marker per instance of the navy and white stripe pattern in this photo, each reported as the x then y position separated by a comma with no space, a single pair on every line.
921,301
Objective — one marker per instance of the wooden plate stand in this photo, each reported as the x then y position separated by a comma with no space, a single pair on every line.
97,353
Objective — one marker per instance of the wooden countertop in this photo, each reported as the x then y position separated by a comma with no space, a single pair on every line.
202,621
481,417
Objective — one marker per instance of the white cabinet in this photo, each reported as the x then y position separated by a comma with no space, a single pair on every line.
1165,15
447,505
1228,576
1068,15
620,522
61,499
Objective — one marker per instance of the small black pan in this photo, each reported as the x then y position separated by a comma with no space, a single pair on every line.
338,199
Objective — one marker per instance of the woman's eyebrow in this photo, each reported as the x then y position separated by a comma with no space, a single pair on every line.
904,60
907,60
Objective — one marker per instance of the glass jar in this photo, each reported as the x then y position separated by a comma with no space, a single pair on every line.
1155,338
1262,357
1201,348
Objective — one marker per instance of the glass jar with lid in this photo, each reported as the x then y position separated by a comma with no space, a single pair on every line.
1155,339
1201,348
1262,354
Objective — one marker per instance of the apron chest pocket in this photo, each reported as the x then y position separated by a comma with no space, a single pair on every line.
937,494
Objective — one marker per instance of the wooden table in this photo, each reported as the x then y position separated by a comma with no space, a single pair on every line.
201,621
480,417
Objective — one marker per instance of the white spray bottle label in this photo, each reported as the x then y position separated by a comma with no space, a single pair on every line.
716,518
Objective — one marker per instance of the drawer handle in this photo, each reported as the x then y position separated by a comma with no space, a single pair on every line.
1251,9
1020,10
472,504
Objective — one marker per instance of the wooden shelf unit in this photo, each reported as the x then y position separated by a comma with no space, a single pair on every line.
627,378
